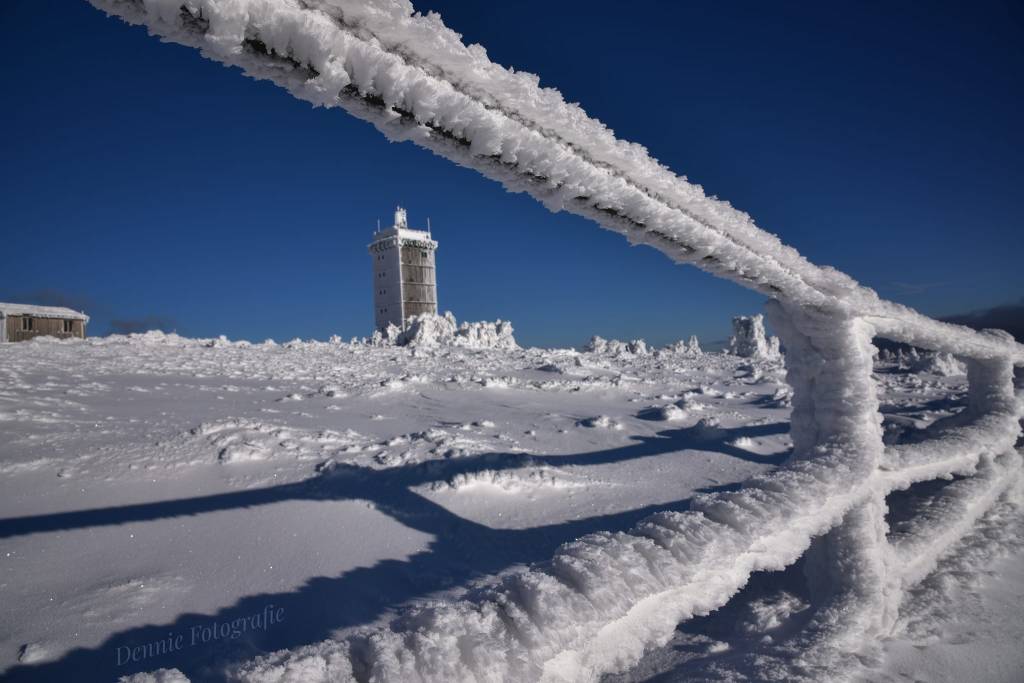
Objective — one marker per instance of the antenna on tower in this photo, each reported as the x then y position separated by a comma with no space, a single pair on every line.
378,225
428,225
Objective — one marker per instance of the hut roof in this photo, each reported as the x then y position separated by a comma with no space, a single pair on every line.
41,311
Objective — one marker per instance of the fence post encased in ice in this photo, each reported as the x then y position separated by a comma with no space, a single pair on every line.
990,381
829,365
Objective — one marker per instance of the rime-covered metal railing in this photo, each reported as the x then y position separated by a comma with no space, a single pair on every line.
605,598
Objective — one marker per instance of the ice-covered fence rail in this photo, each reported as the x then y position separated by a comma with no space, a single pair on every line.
601,599
414,79
604,598
917,543
427,43
329,62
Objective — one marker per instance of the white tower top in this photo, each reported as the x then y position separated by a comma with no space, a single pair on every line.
400,219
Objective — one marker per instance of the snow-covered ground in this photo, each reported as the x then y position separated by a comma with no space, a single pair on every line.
167,502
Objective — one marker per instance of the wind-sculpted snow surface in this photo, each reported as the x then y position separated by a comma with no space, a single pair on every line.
268,412
606,598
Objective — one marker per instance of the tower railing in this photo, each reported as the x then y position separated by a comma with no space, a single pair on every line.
605,598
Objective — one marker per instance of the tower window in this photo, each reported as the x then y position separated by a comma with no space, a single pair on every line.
423,254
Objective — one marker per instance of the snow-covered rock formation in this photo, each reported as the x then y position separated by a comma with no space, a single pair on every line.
749,339
690,347
614,347
921,361
429,330
941,364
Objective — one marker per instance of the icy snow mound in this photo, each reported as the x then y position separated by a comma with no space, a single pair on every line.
238,440
940,364
667,413
689,348
158,676
429,330
149,338
614,347
749,339
924,362
510,481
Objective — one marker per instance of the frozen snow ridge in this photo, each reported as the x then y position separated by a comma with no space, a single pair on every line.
605,598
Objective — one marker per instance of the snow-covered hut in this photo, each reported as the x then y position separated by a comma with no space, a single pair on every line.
21,322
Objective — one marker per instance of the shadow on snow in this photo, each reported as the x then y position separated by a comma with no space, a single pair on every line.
461,551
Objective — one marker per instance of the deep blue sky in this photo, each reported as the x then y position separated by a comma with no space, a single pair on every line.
881,138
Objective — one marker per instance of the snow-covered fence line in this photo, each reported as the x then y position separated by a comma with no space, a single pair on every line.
415,80
606,597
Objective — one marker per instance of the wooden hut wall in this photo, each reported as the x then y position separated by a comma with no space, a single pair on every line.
53,327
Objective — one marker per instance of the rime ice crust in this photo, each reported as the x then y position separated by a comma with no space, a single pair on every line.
750,341
428,330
